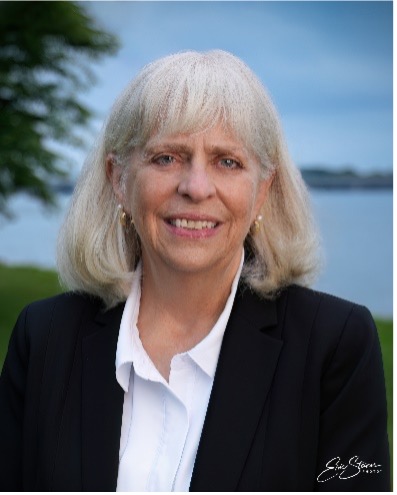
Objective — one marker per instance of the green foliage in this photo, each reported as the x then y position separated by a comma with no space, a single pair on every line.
44,50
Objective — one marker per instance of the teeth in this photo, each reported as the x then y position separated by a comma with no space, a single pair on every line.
192,225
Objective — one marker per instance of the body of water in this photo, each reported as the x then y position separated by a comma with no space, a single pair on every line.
357,233
356,227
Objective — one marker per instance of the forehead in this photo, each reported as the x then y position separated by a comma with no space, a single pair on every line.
216,137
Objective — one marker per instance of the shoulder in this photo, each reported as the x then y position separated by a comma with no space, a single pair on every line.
333,327
67,301
68,306
313,323
297,309
293,297
58,314
328,309
310,298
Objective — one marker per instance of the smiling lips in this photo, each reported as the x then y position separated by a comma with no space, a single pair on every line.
189,224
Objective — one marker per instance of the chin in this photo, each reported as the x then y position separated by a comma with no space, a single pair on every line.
195,262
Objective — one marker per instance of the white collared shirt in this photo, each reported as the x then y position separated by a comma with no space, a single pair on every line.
162,422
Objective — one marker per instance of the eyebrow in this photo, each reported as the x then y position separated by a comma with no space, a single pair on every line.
186,149
171,147
225,150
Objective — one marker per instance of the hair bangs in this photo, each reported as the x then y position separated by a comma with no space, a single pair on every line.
195,92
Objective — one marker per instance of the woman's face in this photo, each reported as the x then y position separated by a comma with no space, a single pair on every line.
193,198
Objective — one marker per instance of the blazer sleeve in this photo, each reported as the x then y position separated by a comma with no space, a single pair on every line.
20,385
353,452
12,399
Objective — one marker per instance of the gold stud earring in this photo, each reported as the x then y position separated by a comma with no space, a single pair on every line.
256,225
122,216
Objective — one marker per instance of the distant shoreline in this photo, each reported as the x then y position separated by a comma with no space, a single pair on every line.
318,178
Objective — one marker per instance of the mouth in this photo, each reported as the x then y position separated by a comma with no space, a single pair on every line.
189,224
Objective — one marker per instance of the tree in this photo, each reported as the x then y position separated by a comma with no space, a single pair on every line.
44,50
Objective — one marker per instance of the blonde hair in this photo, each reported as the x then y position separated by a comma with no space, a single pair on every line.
188,92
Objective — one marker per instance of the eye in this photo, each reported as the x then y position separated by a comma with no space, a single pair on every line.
230,163
163,160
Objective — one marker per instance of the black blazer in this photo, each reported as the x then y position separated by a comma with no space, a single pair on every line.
299,384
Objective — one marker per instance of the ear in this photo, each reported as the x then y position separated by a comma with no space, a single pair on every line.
262,192
113,173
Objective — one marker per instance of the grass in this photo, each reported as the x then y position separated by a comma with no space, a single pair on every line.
20,285
385,330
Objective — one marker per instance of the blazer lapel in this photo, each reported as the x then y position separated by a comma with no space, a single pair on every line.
102,403
243,378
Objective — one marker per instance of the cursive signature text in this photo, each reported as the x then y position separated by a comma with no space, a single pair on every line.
336,468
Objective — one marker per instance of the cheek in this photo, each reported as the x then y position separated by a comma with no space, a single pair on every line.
146,200
242,200
139,193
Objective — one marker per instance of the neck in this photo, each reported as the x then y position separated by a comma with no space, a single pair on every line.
187,302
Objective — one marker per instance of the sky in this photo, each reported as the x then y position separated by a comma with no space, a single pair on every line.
327,66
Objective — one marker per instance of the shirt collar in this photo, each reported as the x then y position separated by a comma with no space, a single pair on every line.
125,347
129,347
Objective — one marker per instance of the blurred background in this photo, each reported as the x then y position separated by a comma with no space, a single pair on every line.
327,65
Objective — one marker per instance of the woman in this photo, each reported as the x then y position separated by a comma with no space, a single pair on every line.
189,354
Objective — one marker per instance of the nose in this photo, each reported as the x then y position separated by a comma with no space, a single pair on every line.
196,182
